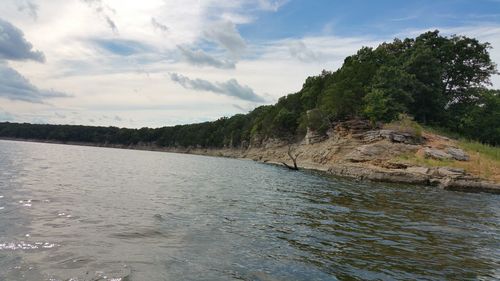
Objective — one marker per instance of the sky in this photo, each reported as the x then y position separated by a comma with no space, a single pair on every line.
154,63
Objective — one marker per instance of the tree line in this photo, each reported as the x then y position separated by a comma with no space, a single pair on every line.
438,80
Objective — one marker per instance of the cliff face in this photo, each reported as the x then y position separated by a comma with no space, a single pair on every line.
355,150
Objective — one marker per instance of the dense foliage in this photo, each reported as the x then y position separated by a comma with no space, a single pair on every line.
440,81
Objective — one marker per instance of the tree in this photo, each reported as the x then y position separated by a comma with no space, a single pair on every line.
438,80
428,100
390,94
481,119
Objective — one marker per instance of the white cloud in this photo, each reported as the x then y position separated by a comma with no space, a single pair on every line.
14,86
104,11
13,46
29,7
272,5
126,73
229,88
159,26
300,51
201,58
226,35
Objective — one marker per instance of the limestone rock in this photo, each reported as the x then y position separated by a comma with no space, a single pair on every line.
379,151
367,152
436,154
366,173
313,137
457,154
392,165
418,170
391,135
472,186
448,172
450,153
445,177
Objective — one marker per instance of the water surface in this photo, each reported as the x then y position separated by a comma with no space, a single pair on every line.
86,213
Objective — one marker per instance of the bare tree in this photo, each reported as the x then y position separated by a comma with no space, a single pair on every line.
293,157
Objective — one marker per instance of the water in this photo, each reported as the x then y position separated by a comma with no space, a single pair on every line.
85,213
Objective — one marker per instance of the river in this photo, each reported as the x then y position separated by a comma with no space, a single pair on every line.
88,213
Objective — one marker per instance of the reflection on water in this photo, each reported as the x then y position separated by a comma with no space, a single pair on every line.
83,213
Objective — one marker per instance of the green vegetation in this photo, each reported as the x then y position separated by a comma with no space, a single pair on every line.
473,146
485,150
484,160
404,123
439,81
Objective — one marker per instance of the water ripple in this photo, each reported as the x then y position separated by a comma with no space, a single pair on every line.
133,215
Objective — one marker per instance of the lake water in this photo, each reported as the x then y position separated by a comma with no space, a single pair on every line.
86,213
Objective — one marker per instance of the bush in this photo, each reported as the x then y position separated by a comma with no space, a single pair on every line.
317,121
405,124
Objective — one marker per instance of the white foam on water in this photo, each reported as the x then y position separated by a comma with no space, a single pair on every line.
26,203
21,245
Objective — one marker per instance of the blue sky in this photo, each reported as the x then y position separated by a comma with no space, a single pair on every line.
382,18
153,63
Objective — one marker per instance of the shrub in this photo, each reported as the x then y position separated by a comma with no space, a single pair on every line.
317,121
405,124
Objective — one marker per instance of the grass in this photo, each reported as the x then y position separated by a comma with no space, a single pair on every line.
442,132
489,151
405,124
484,159
426,162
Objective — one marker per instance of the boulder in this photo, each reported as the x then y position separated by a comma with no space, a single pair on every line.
366,173
450,153
418,170
448,172
367,152
457,154
402,137
471,186
391,135
436,154
379,151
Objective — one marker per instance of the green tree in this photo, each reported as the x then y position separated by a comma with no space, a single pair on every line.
390,94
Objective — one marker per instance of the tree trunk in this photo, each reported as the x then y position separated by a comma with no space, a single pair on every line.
294,160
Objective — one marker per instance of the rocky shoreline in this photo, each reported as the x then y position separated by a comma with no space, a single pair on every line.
358,152
351,152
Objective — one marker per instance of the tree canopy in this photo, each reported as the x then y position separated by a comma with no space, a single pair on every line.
439,80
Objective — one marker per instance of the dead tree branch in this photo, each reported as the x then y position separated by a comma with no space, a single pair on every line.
294,159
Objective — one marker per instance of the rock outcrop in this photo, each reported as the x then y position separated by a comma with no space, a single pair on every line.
442,177
313,137
355,149
391,135
457,154
450,153
380,150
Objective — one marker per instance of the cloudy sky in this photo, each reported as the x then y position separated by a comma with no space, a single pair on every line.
153,63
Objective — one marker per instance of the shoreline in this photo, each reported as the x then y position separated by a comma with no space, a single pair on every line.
440,177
